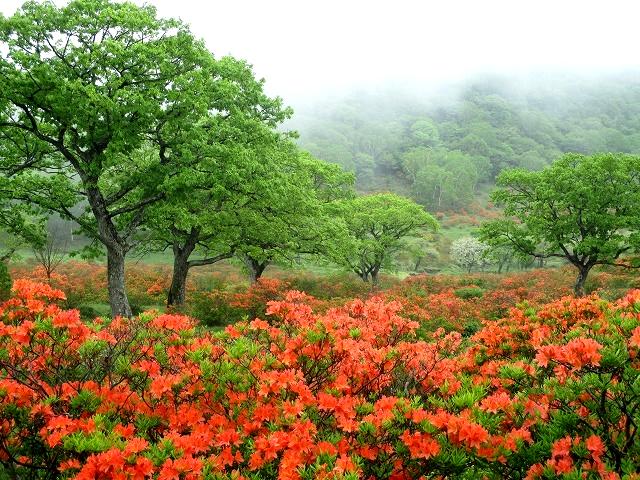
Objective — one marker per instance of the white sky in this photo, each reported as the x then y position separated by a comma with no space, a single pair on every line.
304,48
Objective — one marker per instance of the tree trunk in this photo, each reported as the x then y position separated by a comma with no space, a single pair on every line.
417,264
177,290
364,276
116,248
578,288
254,267
374,277
115,279
181,266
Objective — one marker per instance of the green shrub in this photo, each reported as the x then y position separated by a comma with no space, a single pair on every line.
5,282
471,327
87,312
469,292
213,309
472,281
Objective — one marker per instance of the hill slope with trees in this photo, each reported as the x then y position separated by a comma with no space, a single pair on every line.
443,148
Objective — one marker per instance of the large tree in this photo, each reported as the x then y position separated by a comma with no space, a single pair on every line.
581,208
107,94
201,224
260,200
377,225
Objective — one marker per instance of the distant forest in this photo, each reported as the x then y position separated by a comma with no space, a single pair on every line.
443,148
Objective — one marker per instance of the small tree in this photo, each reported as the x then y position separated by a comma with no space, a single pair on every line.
468,253
502,256
581,208
294,218
52,252
377,226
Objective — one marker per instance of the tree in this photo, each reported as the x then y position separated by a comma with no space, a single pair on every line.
425,132
468,253
200,216
259,199
419,255
106,95
581,208
377,225
441,178
502,256
296,220
52,252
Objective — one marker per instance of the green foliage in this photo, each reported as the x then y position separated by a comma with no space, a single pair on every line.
5,282
441,177
496,123
469,292
107,106
289,215
581,208
377,226
260,198
213,309
87,312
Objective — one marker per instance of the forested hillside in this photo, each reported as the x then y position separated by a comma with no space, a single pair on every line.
441,148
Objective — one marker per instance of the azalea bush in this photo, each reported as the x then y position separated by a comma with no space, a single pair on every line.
359,391
218,296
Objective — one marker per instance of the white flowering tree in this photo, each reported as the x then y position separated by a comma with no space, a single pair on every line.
468,253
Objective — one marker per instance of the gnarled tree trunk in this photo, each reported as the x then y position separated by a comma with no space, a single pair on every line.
182,265
583,272
255,268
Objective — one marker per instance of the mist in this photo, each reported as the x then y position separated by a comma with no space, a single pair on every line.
308,51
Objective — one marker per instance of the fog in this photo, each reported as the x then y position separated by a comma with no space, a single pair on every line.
305,50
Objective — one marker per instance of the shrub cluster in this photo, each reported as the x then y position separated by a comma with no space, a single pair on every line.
355,392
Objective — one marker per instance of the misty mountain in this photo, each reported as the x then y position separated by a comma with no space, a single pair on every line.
442,147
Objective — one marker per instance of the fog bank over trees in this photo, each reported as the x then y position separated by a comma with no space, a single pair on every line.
443,145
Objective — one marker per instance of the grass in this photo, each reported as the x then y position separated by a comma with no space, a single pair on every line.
458,231
104,310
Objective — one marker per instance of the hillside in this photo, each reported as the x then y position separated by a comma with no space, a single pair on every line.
444,148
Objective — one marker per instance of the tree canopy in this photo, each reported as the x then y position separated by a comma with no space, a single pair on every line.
493,122
261,200
581,208
99,99
377,226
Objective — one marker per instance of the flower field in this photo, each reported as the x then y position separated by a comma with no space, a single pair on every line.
371,388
